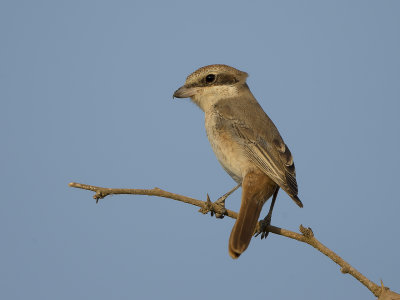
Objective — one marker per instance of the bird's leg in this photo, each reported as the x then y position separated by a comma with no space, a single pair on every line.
267,220
221,201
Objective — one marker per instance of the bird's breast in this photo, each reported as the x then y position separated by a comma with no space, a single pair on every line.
226,149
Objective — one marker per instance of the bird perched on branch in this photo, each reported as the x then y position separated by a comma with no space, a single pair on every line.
246,143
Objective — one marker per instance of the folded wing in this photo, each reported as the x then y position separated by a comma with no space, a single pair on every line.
263,145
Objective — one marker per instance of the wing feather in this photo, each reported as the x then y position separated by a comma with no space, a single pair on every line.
261,142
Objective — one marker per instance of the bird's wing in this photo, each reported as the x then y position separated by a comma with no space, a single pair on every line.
263,145
273,158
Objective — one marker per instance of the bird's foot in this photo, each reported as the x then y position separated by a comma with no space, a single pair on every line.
216,208
263,227
220,204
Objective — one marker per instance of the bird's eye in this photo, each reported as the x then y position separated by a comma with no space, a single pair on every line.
210,78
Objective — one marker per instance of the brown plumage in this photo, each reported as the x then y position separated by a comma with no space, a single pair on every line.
245,141
256,189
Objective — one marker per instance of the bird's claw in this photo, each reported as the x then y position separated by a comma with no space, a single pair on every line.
263,227
220,203
216,208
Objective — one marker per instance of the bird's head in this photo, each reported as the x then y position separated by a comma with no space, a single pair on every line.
208,84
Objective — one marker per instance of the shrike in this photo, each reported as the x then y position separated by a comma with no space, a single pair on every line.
245,141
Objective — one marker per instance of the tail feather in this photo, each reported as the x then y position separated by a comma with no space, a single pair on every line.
244,227
256,189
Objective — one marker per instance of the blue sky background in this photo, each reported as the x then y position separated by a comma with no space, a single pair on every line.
86,95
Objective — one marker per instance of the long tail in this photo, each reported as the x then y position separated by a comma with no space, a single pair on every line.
256,189
244,227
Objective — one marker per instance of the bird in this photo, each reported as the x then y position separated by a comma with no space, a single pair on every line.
246,143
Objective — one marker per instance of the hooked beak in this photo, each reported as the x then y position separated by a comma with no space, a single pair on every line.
184,92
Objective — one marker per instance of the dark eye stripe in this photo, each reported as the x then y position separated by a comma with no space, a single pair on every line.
219,79
226,79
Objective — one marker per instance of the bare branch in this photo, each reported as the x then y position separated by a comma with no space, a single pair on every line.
205,206
306,235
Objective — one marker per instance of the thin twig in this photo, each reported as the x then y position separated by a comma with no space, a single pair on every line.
306,236
101,192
